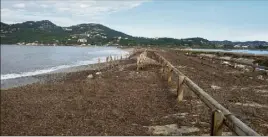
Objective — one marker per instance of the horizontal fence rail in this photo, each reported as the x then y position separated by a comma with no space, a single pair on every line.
238,62
254,66
232,122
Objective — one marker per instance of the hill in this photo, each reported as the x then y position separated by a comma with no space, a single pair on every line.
45,32
237,44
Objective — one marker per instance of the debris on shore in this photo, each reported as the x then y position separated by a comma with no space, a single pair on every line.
127,101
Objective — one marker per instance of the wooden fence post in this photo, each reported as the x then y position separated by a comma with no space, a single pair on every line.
217,123
162,70
107,59
169,74
180,89
165,70
254,68
138,63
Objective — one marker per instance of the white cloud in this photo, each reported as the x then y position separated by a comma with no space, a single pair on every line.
72,12
19,5
59,11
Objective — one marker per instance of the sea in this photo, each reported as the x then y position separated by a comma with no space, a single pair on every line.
19,61
247,51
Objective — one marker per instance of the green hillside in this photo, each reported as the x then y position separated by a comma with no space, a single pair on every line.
46,32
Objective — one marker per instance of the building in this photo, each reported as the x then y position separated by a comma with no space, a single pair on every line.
244,46
82,40
68,29
237,46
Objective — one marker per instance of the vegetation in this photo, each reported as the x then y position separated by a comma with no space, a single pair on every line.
45,32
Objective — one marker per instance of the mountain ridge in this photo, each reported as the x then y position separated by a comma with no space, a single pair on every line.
46,32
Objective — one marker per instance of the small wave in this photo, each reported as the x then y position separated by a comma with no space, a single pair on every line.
48,70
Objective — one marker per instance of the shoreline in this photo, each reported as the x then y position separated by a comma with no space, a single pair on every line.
121,47
58,74
126,47
120,96
53,76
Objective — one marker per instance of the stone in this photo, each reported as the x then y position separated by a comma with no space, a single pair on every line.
177,115
215,87
251,104
260,77
239,66
223,134
98,73
181,66
172,129
226,58
264,125
262,91
226,63
227,134
90,76
208,55
246,70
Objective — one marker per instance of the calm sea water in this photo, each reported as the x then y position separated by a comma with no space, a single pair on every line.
257,52
21,61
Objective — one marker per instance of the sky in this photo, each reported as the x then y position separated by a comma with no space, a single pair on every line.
235,20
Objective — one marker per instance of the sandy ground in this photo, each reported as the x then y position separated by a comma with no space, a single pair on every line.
124,101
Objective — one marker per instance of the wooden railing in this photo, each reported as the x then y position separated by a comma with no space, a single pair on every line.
220,115
254,66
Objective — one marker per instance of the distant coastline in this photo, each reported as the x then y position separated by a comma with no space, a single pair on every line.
46,33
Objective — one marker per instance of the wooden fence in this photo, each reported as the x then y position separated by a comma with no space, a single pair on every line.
254,66
220,115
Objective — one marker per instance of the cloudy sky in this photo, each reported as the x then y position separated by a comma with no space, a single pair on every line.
238,20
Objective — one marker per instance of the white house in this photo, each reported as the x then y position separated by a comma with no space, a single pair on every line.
68,29
244,46
237,46
82,40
